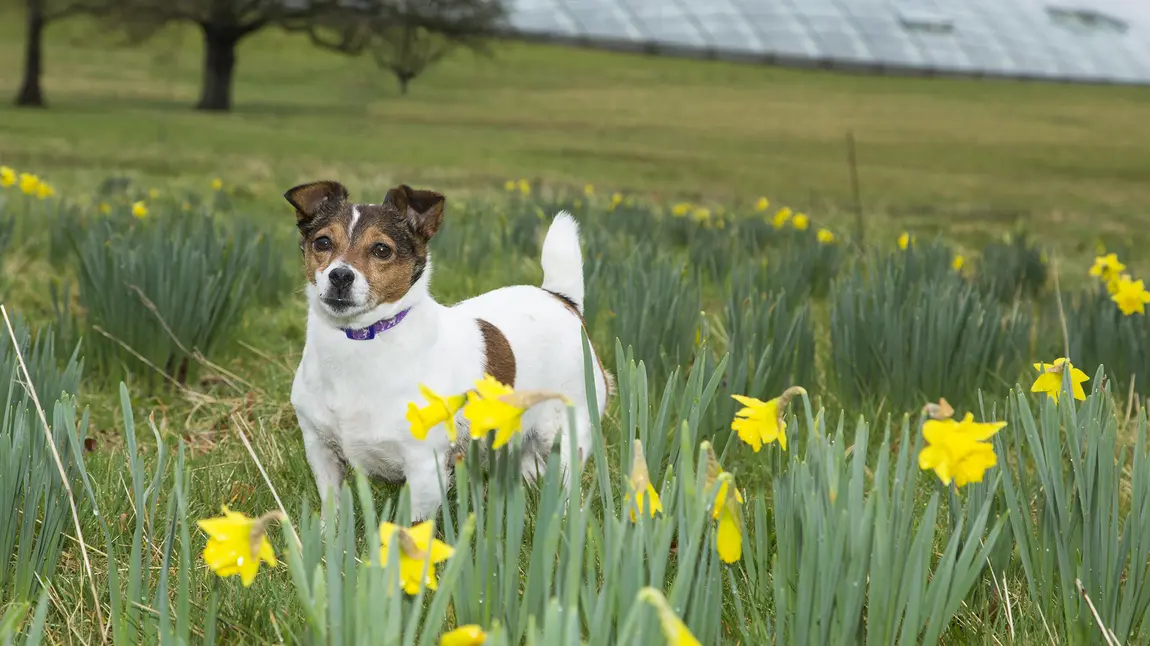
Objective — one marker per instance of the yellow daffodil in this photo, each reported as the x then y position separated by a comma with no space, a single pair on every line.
674,630
681,209
958,262
186,206
782,217
493,406
958,451
641,486
237,544
729,541
905,240
1107,267
104,208
439,410
509,186
469,635
524,187
491,387
762,204
1050,381
1114,281
759,422
29,183
7,177
800,222
417,546
701,214
153,193
616,199
714,472
217,184
825,236
1130,296
139,210
589,190
44,191
721,498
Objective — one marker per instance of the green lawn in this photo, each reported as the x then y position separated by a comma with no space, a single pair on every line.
965,158
928,149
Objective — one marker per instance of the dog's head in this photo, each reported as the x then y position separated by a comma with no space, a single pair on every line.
360,257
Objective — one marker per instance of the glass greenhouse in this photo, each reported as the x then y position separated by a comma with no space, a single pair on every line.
1071,40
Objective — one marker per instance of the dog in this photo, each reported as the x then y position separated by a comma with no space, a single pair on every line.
375,334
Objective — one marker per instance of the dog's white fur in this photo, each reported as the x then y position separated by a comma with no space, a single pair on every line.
351,396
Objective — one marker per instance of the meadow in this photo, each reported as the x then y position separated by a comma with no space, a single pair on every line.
154,296
163,375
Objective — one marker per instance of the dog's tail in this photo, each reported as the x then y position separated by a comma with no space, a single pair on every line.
563,261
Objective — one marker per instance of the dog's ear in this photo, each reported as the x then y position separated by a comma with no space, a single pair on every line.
310,199
423,210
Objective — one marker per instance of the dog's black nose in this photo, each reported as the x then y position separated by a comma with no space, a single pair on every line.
341,278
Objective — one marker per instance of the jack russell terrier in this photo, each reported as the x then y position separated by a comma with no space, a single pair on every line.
374,334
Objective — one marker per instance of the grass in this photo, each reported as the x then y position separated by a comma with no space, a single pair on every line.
669,402
970,159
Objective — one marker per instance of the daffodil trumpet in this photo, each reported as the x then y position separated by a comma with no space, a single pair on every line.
761,422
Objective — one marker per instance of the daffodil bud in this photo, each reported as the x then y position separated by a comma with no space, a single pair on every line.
940,411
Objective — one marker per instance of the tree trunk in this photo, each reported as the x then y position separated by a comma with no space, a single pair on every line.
403,79
219,65
31,95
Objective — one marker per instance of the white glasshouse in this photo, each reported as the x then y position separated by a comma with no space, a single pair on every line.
1073,40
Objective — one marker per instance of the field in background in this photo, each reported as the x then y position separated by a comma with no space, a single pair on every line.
967,156
870,330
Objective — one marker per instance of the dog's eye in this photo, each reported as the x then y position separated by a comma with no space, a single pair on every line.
381,251
322,243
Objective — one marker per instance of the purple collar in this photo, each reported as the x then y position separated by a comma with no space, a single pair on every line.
379,327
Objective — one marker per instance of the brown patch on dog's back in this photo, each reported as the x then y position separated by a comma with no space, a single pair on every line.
499,359
567,302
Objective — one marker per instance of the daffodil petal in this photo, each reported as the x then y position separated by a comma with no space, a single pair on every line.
730,539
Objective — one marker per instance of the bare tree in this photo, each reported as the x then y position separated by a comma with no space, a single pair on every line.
406,37
407,50
38,14
347,26
223,24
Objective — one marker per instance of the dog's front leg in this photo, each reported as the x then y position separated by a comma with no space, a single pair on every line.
327,467
424,480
